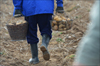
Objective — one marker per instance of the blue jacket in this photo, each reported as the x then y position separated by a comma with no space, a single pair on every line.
33,7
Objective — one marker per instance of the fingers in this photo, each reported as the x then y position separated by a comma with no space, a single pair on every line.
60,11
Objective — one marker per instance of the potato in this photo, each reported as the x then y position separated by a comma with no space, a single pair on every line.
64,22
24,22
68,19
60,23
10,24
18,23
58,19
60,26
55,17
64,28
54,22
60,29
63,18
55,27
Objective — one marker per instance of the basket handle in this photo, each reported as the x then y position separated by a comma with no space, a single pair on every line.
9,20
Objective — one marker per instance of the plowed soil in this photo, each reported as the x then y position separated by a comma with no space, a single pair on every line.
62,46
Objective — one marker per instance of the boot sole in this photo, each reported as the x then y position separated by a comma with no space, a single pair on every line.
34,62
46,54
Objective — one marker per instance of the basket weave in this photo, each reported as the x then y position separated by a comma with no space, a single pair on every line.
18,32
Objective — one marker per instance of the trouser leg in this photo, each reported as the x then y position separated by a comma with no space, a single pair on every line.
45,29
32,30
32,38
44,24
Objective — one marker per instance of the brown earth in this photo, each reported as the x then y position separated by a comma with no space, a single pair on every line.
62,46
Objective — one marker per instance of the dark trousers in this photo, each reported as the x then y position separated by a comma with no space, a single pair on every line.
43,21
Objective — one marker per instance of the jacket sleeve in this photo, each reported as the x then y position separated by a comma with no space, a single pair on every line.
59,3
17,4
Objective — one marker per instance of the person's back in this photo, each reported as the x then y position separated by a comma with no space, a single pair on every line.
34,7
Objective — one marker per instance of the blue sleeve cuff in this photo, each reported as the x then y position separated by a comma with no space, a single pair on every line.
17,8
60,5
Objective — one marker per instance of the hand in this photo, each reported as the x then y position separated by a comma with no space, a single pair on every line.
18,13
60,10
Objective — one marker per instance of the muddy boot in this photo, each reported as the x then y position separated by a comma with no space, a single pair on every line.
44,45
34,51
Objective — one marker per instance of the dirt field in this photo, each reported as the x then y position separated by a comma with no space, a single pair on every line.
62,46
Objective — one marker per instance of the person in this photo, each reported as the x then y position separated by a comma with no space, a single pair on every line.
37,12
88,52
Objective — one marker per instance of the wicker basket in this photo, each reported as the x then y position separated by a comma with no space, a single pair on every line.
61,25
17,32
61,22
